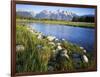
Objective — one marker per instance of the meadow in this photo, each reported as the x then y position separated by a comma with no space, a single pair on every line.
60,22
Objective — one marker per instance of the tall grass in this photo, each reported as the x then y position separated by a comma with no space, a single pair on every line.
37,54
32,58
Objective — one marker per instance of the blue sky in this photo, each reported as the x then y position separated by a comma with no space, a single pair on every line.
38,8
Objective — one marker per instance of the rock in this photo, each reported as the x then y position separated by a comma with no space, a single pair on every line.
56,40
58,44
51,38
81,48
31,31
20,48
59,47
63,39
61,57
85,58
65,55
84,51
52,43
40,36
64,51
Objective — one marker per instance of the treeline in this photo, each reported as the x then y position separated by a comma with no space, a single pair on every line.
33,18
83,19
75,19
24,17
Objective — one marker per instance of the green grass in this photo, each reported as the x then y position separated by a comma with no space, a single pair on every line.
61,22
34,59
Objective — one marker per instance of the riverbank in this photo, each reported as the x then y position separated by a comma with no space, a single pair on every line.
61,22
36,52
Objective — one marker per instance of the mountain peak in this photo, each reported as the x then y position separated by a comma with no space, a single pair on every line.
46,14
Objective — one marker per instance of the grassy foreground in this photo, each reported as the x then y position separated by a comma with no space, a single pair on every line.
61,22
38,59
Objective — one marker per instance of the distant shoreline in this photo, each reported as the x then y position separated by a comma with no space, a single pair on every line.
60,22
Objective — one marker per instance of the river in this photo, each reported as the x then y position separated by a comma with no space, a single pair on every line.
84,37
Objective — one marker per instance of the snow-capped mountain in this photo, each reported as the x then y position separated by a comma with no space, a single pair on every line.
45,14
57,15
